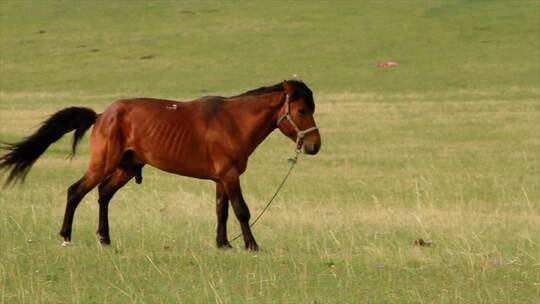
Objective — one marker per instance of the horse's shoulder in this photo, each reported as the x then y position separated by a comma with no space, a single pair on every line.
211,105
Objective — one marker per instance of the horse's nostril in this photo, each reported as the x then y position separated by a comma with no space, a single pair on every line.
312,148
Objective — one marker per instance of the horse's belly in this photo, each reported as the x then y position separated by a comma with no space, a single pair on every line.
184,167
189,160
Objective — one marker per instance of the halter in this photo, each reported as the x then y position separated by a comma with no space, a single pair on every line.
300,134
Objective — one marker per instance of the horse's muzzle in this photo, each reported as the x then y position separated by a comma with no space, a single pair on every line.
311,148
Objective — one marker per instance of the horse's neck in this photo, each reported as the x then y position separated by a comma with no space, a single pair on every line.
260,119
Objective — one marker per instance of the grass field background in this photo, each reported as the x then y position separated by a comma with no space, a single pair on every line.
444,147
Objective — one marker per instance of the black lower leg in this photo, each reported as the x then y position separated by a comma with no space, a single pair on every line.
249,240
103,227
242,214
73,199
107,189
222,211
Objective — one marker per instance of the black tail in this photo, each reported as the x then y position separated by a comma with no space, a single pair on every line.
22,155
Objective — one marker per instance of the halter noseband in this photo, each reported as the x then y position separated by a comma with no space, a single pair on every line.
300,134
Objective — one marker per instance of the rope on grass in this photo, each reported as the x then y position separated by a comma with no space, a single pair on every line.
292,161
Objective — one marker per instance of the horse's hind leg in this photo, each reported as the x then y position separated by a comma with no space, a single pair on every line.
105,156
125,172
76,192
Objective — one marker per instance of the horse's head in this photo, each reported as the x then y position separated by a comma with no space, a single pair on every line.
295,117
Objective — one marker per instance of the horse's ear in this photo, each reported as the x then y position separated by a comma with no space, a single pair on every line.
288,88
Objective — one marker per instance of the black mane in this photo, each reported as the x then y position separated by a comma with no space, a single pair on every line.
301,90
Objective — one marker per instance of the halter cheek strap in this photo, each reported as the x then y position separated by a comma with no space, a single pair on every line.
300,134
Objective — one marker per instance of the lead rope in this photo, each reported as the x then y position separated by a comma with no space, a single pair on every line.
292,161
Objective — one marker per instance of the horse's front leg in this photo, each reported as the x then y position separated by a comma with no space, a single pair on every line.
232,187
222,211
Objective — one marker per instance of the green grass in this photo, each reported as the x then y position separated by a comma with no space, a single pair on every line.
444,147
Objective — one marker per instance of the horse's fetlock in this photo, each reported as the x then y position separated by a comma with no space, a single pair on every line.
105,240
65,233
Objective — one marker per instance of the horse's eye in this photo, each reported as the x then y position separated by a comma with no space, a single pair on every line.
302,112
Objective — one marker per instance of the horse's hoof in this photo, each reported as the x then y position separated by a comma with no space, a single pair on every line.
252,247
225,246
104,241
65,243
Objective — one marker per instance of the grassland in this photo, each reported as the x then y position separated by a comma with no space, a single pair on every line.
444,147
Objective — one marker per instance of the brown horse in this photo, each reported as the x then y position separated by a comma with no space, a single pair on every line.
208,138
